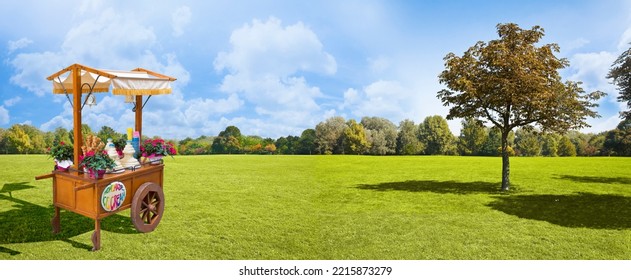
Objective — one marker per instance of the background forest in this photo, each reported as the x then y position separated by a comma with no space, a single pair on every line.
370,136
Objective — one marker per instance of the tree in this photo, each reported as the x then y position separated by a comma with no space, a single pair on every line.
435,134
381,135
550,145
232,145
580,141
329,135
492,143
306,143
527,142
287,145
618,140
270,148
108,132
228,141
355,138
37,141
596,145
511,83
407,139
620,72
252,144
18,138
566,148
85,130
3,141
472,137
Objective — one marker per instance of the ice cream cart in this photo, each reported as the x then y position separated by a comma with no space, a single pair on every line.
138,187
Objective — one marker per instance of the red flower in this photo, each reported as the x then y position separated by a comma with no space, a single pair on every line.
62,143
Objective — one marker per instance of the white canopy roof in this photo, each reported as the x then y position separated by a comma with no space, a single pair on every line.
136,82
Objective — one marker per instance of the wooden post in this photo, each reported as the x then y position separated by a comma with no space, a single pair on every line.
76,96
139,116
96,235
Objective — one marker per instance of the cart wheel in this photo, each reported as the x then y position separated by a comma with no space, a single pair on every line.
147,207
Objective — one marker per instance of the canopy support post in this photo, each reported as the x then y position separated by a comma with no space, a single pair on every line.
138,111
76,111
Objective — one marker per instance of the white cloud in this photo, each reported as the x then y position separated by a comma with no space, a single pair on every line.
200,110
4,115
351,97
379,64
388,99
592,69
12,101
19,44
90,7
180,19
263,66
269,48
574,45
600,125
31,67
108,47
625,40
117,40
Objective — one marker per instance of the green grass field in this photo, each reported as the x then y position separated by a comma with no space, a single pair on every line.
341,207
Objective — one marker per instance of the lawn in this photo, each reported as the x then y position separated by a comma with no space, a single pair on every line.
341,207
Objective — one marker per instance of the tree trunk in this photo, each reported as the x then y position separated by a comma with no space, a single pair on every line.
505,163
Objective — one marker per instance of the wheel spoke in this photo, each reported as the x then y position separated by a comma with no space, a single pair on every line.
143,214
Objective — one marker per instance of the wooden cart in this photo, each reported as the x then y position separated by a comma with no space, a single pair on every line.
138,189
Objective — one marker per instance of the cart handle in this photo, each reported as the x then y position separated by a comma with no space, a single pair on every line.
45,176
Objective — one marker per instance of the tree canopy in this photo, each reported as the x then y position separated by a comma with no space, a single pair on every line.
620,72
512,82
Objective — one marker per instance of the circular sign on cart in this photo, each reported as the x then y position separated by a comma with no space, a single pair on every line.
113,196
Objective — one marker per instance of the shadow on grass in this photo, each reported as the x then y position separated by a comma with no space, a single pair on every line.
597,211
444,187
596,179
28,222
11,187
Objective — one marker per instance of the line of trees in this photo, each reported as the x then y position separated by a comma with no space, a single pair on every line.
370,136
379,136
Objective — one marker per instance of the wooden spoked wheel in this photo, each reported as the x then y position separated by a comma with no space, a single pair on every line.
147,207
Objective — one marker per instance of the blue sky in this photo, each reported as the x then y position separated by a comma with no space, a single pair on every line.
275,68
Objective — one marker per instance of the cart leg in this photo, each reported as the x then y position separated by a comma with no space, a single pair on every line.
96,236
55,221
